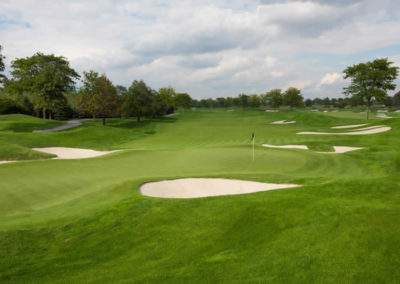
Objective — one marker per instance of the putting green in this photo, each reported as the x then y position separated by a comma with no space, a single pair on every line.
85,220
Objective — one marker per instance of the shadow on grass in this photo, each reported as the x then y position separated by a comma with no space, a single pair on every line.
132,123
29,127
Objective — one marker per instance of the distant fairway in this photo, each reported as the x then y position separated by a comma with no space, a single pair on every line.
85,221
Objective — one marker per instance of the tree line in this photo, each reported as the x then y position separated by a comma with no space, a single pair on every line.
45,85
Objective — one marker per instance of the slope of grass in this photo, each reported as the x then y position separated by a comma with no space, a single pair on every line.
85,221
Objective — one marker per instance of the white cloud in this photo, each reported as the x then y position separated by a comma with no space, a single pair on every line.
330,78
206,48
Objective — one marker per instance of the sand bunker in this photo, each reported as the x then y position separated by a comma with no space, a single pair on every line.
203,187
73,153
286,146
342,149
271,110
337,149
283,122
383,115
370,130
348,126
5,162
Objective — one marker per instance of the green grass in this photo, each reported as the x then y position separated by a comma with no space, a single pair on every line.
85,221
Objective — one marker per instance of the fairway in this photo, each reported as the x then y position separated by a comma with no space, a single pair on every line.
85,220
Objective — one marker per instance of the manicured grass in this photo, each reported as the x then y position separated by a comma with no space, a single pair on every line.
85,221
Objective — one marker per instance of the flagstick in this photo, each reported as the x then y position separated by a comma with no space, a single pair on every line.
253,147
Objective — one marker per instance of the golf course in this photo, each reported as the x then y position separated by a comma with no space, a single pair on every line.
69,220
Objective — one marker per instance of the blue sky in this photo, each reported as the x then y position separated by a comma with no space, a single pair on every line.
208,48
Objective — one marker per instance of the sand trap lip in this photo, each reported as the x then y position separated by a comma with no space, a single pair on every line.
283,122
348,126
204,187
342,149
286,146
72,153
374,130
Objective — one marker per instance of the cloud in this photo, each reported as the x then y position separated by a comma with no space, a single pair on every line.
206,48
330,78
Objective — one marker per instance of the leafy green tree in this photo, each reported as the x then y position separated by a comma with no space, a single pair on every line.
327,101
2,67
254,101
243,100
167,95
47,77
182,100
396,99
98,97
370,80
138,100
158,106
308,102
274,98
293,98
221,102
388,101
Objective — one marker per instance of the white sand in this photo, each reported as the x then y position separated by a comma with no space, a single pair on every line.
5,162
377,129
286,146
283,122
203,187
342,149
383,115
271,110
73,153
397,110
349,126
382,110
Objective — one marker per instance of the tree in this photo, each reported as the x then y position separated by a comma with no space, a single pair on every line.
326,102
254,101
308,102
138,100
182,100
293,98
274,98
388,101
370,80
167,95
47,77
2,67
396,99
98,96
243,100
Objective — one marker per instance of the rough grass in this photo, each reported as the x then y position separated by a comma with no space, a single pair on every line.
84,220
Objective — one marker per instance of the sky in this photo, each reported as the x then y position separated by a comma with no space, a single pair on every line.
208,48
